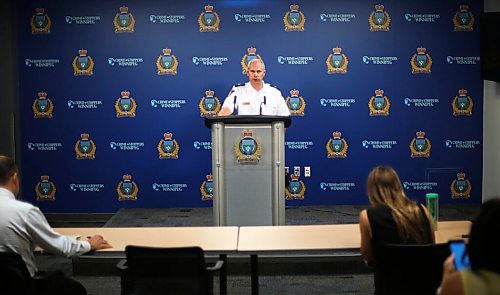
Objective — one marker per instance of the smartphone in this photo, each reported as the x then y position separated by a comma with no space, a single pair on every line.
461,257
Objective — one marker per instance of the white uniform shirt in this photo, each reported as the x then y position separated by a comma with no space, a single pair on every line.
248,101
23,227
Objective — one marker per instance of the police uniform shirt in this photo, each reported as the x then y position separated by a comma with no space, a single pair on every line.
245,100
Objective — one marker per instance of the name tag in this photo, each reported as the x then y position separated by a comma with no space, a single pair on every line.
245,103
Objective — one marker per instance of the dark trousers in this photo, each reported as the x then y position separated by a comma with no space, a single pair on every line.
56,282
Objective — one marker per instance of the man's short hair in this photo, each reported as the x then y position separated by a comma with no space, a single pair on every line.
7,169
256,60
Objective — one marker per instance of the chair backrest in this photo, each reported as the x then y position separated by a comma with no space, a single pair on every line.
166,271
409,269
15,275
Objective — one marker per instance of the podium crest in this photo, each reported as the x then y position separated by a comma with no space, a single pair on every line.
296,189
209,20
379,19
462,104
40,22
45,190
167,63
42,106
248,149
296,104
207,188
294,19
83,65
336,147
463,20
421,62
127,189
209,104
251,54
168,148
420,146
124,21
379,104
125,105
460,187
337,62
85,147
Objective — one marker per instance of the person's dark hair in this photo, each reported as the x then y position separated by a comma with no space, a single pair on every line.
483,242
7,169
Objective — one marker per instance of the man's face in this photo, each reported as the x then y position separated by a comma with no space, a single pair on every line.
256,72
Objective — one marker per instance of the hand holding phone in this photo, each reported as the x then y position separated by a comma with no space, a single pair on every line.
458,248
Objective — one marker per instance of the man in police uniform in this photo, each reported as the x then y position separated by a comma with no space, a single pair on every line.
255,97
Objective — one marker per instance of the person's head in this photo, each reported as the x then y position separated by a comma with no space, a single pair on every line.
483,241
9,177
256,71
384,187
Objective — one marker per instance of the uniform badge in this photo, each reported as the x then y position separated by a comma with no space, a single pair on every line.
45,190
124,21
209,104
379,19
460,187
294,19
421,62
127,189
337,62
379,104
462,104
42,106
209,20
420,146
248,149
207,189
167,63
296,104
336,147
251,54
296,189
85,148
168,148
83,65
125,105
40,22
463,20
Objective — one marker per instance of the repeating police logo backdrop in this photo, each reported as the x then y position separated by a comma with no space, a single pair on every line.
207,189
336,147
85,148
209,20
379,19
462,104
125,105
124,21
168,148
83,65
167,63
460,187
420,146
127,189
251,54
463,20
379,104
421,62
42,106
296,190
248,149
209,104
294,19
40,22
45,190
337,62
296,104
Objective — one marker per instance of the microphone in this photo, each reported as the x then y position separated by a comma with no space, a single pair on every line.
235,106
264,102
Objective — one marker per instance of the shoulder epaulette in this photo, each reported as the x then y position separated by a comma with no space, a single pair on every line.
240,84
274,86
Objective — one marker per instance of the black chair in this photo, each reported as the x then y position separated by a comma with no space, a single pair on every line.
15,276
409,269
150,270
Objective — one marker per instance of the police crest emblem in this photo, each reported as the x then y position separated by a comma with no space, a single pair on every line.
420,146
248,149
337,62
463,20
83,65
462,104
45,190
125,105
209,20
168,148
85,147
294,19
337,146
421,62
167,63
460,187
124,21
296,104
379,104
207,189
251,54
127,189
40,22
379,19
209,104
42,106
296,189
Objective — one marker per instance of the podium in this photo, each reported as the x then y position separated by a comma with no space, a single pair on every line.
248,169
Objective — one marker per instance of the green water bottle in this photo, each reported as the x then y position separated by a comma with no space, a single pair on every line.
433,207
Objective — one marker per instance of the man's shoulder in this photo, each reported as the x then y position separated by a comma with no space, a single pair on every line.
239,85
273,88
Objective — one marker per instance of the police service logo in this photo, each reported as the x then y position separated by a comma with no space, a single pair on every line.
251,54
83,65
167,63
294,19
42,106
127,189
420,146
463,20
248,149
45,190
379,19
379,104
125,105
296,104
337,62
209,20
40,22
124,21
209,104
168,148
85,147
336,147
207,189
462,104
296,189
460,187
421,62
